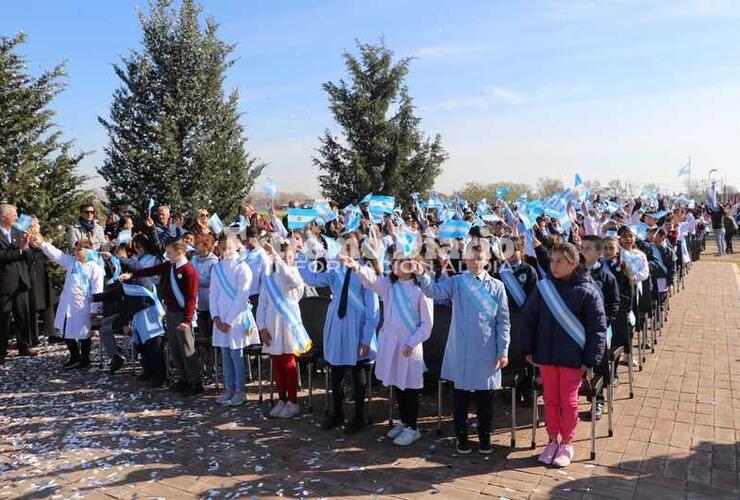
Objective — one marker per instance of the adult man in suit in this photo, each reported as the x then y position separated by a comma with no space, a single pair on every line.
14,284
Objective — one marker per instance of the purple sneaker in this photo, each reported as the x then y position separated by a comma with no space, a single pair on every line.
549,454
564,456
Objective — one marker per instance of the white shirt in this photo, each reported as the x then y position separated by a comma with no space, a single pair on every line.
6,233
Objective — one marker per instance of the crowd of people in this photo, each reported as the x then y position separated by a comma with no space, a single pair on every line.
566,276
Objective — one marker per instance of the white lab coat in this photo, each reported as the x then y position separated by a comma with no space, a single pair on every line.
75,304
233,312
291,285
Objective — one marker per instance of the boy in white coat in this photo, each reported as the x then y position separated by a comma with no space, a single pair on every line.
83,279
234,326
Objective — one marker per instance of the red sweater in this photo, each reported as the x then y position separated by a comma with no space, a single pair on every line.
187,280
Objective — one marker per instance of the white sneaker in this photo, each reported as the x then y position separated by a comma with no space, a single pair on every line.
407,437
396,431
290,410
225,397
635,363
237,399
275,412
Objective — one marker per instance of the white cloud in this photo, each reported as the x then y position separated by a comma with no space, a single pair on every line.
491,97
453,51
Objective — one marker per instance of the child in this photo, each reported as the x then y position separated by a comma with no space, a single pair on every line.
625,320
407,323
478,344
180,291
606,285
563,332
235,329
349,336
203,261
75,310
280,326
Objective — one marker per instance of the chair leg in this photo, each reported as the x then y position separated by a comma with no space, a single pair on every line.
100,352
310,387
300,382
535,417
640,353
259,379
272,386
248,360
215,368
439,407
370,395
629,371
513,415
326,390
610,405
593,429
133,358
390,406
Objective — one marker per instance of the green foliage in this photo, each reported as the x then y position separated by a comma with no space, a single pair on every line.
381,149
173,133
37,167
475,191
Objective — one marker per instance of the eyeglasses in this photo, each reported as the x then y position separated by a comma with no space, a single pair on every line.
88,211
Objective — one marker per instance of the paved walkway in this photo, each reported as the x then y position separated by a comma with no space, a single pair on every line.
93,435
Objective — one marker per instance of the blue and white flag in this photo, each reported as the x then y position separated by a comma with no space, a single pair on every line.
500,193
324,212
379,203
406,243
333,248
216,225
366,199
124,236
116,263
578,180
23,223
269,188
712,197
435,201
685,170
454,229
481,208
352,221
298,218
150,206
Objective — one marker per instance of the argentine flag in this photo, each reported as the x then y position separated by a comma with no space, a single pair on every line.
378,203
298,218
454,229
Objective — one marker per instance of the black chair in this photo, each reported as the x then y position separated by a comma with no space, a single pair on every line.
313,314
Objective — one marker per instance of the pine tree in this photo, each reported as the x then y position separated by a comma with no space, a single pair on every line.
382,149
37,168
173,134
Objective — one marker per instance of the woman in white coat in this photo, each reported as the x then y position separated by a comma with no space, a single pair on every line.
233,322
83,279
280,326
407,322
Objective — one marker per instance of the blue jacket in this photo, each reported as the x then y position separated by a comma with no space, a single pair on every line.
544,338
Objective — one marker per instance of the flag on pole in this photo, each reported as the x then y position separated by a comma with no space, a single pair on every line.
578,180
23,223
333,248
269,188
406,243
378,203
151,205
685,170
216,225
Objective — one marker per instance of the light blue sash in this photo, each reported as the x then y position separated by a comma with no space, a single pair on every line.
402,303
512,285
600,288
487,303
565,318
290,313
116,269
179,297
148,321
80,278
230,291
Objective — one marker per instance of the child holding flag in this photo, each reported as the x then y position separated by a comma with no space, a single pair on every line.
280,326
407,323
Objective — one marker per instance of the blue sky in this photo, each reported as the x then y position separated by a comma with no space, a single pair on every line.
612,89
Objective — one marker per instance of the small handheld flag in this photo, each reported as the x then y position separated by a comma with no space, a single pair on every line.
216,225
269,188
685,170
333,248
298,218
405,243
454,229
383,204
124,236
150,206
578,180
23,223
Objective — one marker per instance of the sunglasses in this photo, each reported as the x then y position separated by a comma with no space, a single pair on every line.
88,211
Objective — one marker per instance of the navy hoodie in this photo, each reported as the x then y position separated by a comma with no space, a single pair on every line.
544,338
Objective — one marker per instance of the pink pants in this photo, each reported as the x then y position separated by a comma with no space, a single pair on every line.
560,386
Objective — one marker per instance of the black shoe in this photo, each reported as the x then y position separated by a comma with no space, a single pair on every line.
192,390
55,339
331,422
179,386
72,363
484,447
144,377
116,363
84,364
462,446
156,383
355,425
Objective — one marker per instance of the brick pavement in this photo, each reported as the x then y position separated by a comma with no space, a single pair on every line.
92,435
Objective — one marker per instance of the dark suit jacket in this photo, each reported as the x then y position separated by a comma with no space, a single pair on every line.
13,267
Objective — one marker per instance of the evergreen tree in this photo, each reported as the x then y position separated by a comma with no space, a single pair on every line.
37,168
382,149
174,135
